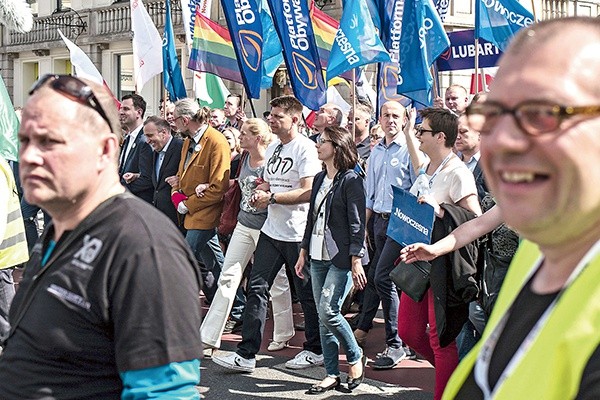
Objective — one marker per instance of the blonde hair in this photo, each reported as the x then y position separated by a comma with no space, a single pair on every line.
258,127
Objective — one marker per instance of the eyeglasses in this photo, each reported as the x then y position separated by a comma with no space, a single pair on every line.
74,89
420,130
534,117
320,140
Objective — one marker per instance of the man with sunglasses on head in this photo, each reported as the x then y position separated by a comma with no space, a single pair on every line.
539,150
135,161
107,307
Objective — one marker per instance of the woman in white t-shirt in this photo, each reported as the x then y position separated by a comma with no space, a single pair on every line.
449,181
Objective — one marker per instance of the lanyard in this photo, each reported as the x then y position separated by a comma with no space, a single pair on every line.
481,371
439,168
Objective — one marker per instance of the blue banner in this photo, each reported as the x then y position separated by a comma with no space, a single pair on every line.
410,221
245,27
390,15
497,21
442,8
295,30
172,78
356,41
461,54
423,40
272,51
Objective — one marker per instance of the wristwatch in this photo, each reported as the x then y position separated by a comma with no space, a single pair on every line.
272,199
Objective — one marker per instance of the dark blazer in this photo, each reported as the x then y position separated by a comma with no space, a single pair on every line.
345,207
162,190
139,160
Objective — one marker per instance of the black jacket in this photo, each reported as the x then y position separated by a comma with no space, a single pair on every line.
162,190
453,276
139,160
345,207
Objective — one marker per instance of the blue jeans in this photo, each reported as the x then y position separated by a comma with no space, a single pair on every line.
205,245
330,286
7,292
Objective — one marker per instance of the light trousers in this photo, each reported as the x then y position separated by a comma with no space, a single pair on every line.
241,247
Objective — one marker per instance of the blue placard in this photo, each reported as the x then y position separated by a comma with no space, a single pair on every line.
410,221
461,54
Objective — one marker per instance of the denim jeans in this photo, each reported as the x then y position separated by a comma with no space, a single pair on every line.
269,256
378,280
330,286
7,292
205,245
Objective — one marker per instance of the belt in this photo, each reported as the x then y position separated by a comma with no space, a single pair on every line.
384,216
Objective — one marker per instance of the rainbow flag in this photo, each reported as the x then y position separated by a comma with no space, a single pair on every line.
325,29
212,50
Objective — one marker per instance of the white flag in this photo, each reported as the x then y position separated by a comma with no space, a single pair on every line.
84,67
147,46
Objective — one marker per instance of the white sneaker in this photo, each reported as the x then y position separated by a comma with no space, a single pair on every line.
276,346
233,361
304,359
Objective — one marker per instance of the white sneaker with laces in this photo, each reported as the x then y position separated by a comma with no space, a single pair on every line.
276,346
233,361
305,359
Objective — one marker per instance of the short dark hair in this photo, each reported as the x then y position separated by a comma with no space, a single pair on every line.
138,102
346,155
442,120
160,123
290,104
237,96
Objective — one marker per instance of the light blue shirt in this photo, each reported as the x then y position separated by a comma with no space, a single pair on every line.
388,165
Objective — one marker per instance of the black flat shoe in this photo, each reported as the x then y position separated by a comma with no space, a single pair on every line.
317,389
354,382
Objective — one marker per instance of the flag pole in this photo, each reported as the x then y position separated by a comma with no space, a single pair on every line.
476,65
353,103
164,109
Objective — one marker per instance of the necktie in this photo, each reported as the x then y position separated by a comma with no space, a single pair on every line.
123,153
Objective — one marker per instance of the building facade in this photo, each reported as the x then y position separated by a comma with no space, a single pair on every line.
102,28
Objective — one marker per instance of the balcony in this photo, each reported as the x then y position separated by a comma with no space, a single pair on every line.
89,26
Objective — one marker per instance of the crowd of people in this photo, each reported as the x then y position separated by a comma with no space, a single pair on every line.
109,302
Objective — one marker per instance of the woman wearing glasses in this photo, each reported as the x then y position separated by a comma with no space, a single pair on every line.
334,240
450,182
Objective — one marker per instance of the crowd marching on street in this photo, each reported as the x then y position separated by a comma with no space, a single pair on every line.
145,213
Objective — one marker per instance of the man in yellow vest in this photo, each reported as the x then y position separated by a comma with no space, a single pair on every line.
13,244
540,147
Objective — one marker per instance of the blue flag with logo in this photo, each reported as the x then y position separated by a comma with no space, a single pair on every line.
422,41
410,221
246,30
294,28
497,21
390,17
272,51
356,41
171,70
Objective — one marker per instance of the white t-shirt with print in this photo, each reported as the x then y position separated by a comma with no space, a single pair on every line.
286,165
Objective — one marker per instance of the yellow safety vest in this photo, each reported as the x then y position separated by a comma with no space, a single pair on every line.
13,248
553,366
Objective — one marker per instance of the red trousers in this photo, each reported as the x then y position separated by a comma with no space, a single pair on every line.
413,318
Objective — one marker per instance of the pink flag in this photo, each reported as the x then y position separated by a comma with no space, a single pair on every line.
147,46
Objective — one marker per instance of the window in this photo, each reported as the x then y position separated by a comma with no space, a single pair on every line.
34,6
63,4
125,83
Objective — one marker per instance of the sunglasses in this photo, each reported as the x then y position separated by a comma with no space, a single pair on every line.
74,89
534,117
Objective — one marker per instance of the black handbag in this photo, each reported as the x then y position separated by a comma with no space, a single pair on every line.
412,279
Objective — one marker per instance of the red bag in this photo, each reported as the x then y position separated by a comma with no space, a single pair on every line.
231,202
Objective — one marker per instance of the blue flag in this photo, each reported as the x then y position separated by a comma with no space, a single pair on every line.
246,30
172,78
422,41
272,51
497,21
295,30
390,17
410,221
442,8
356,41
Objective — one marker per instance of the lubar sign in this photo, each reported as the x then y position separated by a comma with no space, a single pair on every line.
461,54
